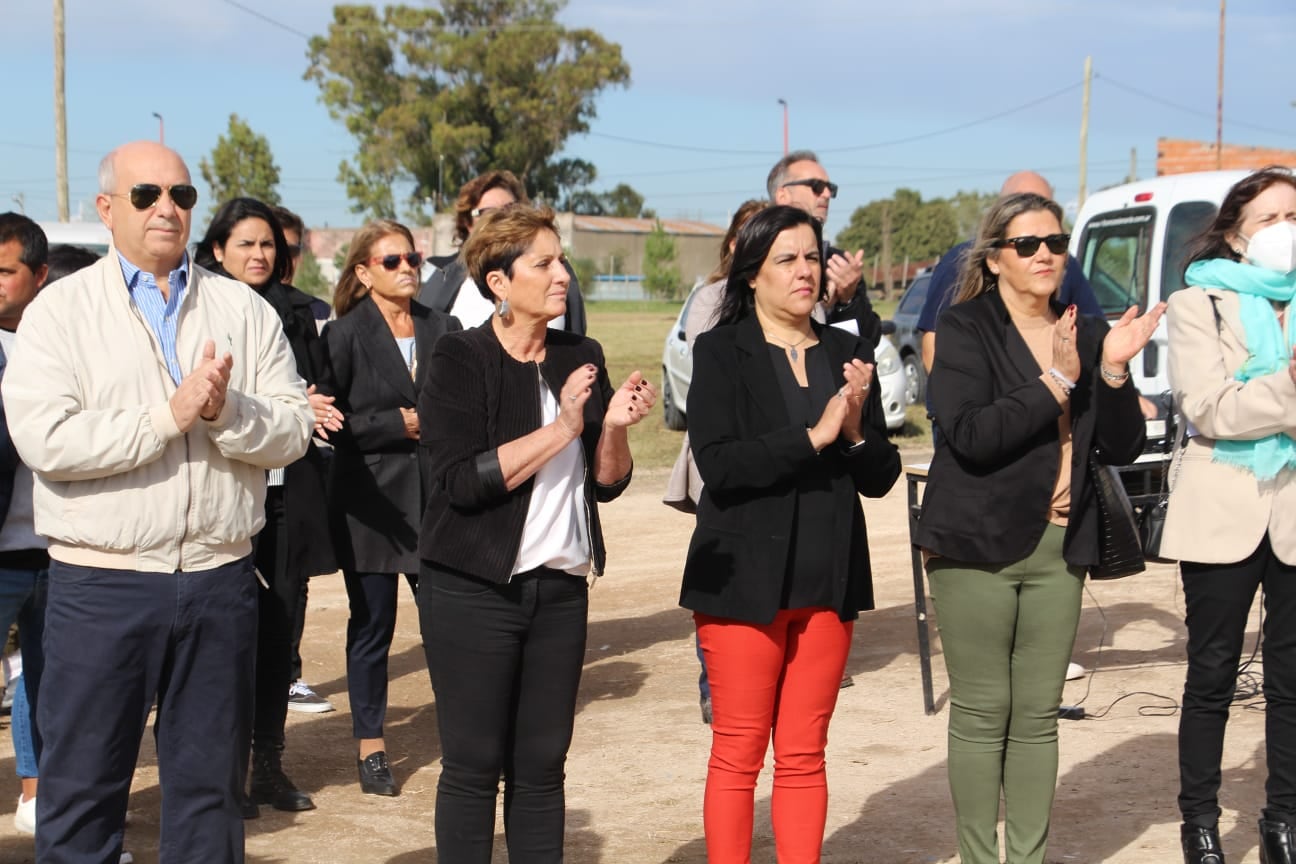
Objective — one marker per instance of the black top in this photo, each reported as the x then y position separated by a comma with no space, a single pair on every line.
806,583
996,462
477,397
751,456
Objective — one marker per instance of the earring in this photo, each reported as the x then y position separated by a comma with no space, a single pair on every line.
503,310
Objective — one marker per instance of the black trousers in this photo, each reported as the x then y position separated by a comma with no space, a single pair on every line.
372,598
505,663
276,620
1218,599
116,640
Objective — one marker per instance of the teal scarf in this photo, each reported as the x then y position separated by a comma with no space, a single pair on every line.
1267,351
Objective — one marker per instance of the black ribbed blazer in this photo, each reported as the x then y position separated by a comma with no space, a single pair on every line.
476,398
375,486
992,477
750,454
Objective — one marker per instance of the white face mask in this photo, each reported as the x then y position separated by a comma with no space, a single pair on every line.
1273,247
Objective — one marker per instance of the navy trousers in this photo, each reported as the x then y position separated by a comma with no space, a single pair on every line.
116,641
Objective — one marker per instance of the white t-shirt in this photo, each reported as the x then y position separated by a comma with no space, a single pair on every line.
556,534
471,308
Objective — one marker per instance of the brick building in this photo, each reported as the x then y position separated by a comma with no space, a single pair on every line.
1177,156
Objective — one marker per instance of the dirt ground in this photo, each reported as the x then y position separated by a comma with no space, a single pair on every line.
636,771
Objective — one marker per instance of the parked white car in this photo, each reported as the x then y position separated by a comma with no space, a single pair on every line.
90,235
677,371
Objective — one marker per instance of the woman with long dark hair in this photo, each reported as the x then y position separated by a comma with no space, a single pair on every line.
244,241
786,426
378,349
1232,515
1023,390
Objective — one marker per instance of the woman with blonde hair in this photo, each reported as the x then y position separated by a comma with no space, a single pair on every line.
378,348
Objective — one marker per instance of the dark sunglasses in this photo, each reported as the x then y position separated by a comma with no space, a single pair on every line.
144,195
392,262
1029,245
816,185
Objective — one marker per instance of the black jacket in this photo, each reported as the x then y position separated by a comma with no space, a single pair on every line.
996,462
859,309
376,486
442,287
749,454
476,398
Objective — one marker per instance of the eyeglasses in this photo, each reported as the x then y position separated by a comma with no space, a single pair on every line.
392,262
144,195
1029,245
816,185
478,212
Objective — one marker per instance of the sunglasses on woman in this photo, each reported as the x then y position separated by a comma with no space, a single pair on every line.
1029,245
144,195
392,262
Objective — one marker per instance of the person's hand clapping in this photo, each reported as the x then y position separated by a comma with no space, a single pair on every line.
1066,359
572,398
631,402
201,393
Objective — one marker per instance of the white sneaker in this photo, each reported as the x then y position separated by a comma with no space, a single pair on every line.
126,858
1074,671
25,815
302,698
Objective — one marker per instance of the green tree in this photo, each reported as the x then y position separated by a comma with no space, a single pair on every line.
622,200
968,208
586,272
241,165
921,230
310,278
485,83
661,275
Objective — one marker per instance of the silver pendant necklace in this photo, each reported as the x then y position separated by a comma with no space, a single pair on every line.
790,346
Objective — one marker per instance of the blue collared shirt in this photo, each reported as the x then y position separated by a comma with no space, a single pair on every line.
160,312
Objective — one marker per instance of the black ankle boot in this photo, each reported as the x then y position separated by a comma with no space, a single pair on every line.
1277,844
1200,845
271,786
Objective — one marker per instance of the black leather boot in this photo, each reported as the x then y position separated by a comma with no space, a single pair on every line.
1200,845
1277,844
271,786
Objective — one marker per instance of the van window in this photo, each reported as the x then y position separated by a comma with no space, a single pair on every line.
1187,219
1115,253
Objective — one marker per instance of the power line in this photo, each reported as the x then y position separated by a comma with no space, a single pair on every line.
1188,109
267,19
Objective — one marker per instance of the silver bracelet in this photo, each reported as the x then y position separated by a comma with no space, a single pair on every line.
1112,376
1064,382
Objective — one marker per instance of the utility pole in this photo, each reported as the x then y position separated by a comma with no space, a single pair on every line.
60,117
1133,172
1084,131
887,283
1219,98
783,102
161,128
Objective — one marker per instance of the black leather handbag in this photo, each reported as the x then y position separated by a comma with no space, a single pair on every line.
1120,550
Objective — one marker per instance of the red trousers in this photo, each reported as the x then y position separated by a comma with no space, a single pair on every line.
782,679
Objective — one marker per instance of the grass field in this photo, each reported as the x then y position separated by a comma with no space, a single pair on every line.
632,335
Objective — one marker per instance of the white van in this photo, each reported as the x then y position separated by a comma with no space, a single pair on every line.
88,235
1132,243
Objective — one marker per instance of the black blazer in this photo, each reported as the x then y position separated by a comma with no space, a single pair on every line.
996,461
442,287
476,398
375,486
749,454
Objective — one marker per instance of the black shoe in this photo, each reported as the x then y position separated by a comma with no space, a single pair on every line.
271,786
1277,844
1200,845
375,775
706,710
248,808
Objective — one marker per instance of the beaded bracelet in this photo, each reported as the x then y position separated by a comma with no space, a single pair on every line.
1112,376
1064,382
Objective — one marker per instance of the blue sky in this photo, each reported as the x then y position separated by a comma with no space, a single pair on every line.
872,86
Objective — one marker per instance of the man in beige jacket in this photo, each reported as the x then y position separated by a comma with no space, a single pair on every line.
149,396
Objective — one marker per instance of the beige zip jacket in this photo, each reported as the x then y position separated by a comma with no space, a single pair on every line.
86,394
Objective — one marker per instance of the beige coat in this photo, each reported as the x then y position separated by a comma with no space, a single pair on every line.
1218,513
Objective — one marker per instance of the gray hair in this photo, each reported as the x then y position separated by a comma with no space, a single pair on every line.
975,277
108,173
778,174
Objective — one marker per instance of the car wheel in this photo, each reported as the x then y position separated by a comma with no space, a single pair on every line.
915,379
672,413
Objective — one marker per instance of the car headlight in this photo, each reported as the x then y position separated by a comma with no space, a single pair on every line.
888,364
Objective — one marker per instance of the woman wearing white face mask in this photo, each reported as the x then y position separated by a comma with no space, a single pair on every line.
1232,515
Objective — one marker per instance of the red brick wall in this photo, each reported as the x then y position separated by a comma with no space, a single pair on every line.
1176,156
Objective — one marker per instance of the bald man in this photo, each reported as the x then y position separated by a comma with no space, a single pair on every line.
149,397
944,281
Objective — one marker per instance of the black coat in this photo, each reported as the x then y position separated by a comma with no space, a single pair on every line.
749,454
476,398
376,483
442,287
996,463
310,550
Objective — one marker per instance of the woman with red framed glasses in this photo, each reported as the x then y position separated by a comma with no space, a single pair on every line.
376,491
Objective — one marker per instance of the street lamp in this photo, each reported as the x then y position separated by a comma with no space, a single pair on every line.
783,102
161,128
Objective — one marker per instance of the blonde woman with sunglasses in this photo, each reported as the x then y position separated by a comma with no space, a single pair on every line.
1022,389
376,348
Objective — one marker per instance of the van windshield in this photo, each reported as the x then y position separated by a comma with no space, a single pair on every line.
1114,253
